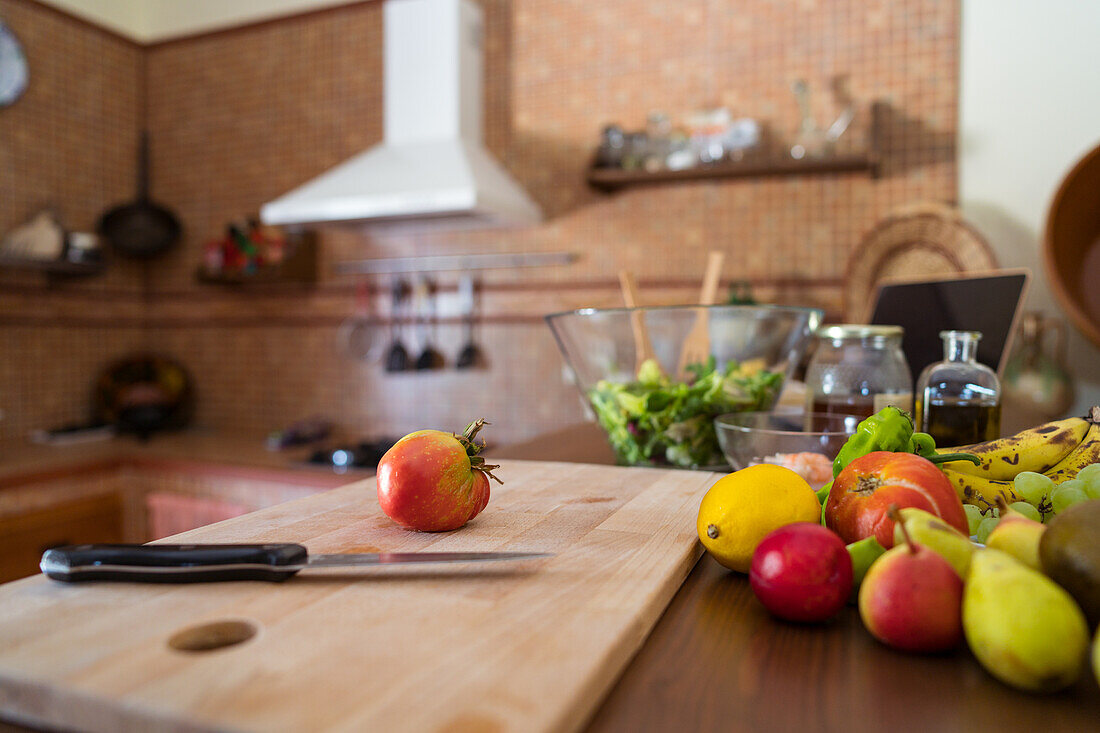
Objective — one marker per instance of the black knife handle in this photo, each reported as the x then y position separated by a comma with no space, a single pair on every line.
173,563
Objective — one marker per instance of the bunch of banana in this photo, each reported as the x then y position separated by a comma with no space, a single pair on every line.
1058,449
1085,454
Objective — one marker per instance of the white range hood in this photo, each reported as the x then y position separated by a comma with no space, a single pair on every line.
431,170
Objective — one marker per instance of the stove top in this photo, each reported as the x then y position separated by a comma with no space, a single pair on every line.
362,455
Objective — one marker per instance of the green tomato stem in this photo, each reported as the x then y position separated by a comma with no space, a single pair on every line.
473,448
948,457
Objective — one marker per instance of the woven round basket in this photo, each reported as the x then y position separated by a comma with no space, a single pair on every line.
918,241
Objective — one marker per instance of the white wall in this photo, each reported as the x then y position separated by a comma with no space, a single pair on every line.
147,21
1029,108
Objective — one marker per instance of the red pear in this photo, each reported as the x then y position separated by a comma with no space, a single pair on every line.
911,599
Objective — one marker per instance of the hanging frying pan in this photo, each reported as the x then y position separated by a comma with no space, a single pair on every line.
141,229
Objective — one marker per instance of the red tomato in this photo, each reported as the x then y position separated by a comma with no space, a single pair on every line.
864,491
434,481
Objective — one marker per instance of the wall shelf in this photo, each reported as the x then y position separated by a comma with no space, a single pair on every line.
53,268
300,266
613,179
752,166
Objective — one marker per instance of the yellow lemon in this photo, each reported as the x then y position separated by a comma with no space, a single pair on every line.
744,506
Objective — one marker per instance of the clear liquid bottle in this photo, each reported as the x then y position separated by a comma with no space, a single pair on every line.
958,399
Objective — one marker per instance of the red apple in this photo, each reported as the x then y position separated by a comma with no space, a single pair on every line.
801,572
911,599
862,494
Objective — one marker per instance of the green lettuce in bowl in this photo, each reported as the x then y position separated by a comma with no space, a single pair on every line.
657,420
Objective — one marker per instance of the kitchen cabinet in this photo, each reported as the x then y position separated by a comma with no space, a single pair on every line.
25,536
170,513
119,491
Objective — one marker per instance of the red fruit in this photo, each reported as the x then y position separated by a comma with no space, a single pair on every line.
864,491
801,572
435,481
911,599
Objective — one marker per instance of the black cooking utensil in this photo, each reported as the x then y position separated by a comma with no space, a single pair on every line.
141,229
430,357
470,356
397,358
144,394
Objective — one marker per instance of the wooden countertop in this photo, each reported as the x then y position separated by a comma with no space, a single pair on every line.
716,661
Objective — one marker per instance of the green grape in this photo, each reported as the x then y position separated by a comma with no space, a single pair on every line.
973,517
1027,510
1032,486
1090,475
984,528
1066,494
1090,472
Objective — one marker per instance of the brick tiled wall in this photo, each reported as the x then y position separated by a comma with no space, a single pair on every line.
68,143
242,116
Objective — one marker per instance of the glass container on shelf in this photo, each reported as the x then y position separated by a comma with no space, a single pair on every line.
958,399
612,147
658,130
858,370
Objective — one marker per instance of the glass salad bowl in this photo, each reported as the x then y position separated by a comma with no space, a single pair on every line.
806,442
657,414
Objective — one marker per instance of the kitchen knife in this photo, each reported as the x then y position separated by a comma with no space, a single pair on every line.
204,563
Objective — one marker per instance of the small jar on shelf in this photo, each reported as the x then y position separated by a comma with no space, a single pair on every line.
959,399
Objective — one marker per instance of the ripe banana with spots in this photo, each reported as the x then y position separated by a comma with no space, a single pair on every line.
1039,449
981,491
1085,454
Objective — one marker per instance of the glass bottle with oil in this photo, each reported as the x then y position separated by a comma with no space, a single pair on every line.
959,399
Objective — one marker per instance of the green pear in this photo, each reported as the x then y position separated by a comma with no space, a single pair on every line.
863,553
1023,628
1017,535
937,535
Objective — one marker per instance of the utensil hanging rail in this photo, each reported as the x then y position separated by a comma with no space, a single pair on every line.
439,263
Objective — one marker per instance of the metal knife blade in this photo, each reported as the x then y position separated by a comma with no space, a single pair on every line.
403,558
198,563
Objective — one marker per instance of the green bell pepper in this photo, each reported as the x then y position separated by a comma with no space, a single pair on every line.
891,429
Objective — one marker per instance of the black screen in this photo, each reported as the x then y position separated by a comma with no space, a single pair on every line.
987,304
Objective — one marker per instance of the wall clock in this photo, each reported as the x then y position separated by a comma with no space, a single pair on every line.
13,67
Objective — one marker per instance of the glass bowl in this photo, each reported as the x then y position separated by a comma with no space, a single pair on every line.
669,420
806,442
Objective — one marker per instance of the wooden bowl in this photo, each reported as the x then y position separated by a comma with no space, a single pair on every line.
1071,248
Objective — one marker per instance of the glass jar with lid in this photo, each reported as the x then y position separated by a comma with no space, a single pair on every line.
858,370
959,399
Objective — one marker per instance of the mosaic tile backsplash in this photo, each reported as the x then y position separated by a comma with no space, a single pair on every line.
239,117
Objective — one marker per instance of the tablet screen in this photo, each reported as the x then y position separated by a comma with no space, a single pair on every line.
986,303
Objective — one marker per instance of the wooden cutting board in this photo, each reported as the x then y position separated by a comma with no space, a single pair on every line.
528,646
